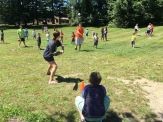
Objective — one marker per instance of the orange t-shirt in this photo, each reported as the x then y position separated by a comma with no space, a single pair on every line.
79,32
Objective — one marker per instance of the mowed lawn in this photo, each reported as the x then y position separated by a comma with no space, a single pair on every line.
26,95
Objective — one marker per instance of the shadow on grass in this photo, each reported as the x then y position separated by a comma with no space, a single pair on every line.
86,50
113,116
137,47
70,117
28,47
68,79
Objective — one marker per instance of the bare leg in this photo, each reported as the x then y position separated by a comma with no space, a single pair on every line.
81,116
24,44
49,70
76,47
19,43
53,71
79,46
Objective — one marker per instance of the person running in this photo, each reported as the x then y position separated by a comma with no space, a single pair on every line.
87,33
21,36
152,29
50,51
73,38
2,36
96,40
79,36
34,34
39,41
106,33
133,39
93,103
102,33
136,28
61,35
26,33
48,36
148,33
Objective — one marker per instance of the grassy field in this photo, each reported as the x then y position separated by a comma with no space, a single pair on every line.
26,95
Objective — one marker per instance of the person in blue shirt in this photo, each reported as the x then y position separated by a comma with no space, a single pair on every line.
93,103
50,51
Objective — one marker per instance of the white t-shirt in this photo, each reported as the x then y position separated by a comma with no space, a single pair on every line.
136,27
48,36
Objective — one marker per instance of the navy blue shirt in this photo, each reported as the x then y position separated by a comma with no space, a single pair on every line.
94,101
51,48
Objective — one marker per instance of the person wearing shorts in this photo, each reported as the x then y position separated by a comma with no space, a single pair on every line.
50,51
93,103
79,36
21,36
133,39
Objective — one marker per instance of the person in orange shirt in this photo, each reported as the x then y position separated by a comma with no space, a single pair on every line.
79,36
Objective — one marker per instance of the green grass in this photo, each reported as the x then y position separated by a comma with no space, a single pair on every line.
25,93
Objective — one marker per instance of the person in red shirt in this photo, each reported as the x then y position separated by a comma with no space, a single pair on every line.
79,36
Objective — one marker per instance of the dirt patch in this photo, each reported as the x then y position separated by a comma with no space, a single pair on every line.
154,92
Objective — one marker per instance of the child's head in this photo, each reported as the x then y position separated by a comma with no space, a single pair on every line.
56,35
95,78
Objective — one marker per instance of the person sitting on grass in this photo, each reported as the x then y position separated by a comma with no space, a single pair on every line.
50,51
93,103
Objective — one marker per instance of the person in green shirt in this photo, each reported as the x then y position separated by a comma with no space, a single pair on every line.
21,36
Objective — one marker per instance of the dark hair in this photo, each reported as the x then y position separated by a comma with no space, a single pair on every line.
95,78
56,34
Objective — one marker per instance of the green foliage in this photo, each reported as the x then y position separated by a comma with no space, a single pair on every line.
93,12
129,12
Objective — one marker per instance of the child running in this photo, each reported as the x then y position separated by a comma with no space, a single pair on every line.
95,38
34,34
73,38
26,33
93,102
39,41
61,35
50,51
2,37
48,36
133,39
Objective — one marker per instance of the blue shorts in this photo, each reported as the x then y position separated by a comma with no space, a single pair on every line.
79,41
79,102
49,59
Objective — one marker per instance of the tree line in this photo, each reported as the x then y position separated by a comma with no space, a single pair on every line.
121,13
